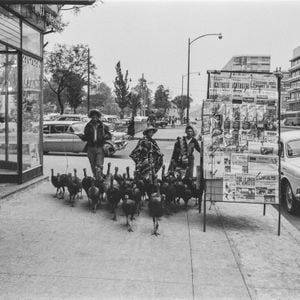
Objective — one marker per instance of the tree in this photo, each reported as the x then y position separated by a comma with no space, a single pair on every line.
145,95
55,23
104,100
74,91
65,61
134,102
181,104
161,99
121,89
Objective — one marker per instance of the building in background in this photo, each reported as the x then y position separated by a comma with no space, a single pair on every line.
22,29
294,81
250,63
285,95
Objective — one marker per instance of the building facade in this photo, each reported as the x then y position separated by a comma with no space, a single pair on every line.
294,81
21,71
255,63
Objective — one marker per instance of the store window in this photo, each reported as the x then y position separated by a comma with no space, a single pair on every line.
8,113
10,29
31,40
31,101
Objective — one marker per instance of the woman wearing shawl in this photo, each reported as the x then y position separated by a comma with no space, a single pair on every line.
147,155
182,159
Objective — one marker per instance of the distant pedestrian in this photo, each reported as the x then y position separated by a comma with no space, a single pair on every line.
182,159
173,122
130,129
95,134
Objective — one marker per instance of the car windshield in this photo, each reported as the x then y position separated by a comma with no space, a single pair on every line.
293,148
78,128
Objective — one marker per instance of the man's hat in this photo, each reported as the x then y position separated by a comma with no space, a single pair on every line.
149,129
94,112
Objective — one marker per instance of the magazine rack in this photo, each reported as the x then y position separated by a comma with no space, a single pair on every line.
240,139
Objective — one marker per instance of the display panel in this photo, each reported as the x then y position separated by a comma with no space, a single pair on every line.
240,138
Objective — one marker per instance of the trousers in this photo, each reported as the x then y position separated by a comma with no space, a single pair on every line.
96,157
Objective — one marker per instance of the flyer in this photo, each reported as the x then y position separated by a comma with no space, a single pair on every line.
229,187
262,164
266,189
239,163
252,113
271,136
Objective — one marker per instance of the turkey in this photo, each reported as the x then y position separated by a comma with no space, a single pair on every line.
94,195
77,181
86,182
64,179
180,188
73,188
156,208
113,197
100,183
129,208
170,192
55,180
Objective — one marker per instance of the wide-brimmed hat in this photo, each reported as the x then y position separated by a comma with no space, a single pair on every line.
94,112
145,132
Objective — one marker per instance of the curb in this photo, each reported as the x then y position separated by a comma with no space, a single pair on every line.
16,188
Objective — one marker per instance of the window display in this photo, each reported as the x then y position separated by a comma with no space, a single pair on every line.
8,113
31,112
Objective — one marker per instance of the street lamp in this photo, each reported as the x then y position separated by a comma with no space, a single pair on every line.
219,35
198,73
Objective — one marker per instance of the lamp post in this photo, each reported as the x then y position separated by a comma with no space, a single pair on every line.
219,35
182,77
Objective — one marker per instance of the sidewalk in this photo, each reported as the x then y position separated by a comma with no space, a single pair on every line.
50,250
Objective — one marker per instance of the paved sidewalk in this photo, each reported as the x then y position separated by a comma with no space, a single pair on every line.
50,250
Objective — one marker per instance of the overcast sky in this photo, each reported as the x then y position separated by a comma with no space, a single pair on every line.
151,37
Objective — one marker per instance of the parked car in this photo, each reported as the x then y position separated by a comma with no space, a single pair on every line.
161,123
290,169
50,117
61,136
72,117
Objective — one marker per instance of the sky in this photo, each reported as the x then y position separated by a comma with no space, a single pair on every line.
151,38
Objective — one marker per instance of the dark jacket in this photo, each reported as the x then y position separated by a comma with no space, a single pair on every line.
183,152
103,134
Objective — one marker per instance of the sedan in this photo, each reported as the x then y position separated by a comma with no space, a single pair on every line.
61,136
290,169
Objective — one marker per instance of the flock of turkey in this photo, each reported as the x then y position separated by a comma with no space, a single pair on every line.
163,195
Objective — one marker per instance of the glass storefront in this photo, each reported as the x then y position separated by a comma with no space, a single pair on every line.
8,113
20,99
31,104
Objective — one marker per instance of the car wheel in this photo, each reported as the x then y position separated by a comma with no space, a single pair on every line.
289,199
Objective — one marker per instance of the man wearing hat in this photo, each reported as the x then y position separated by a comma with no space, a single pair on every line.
95,134
147,155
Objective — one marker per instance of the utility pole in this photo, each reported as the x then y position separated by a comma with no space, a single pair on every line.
88,90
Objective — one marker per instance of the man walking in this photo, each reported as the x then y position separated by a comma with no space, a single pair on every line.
95,134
